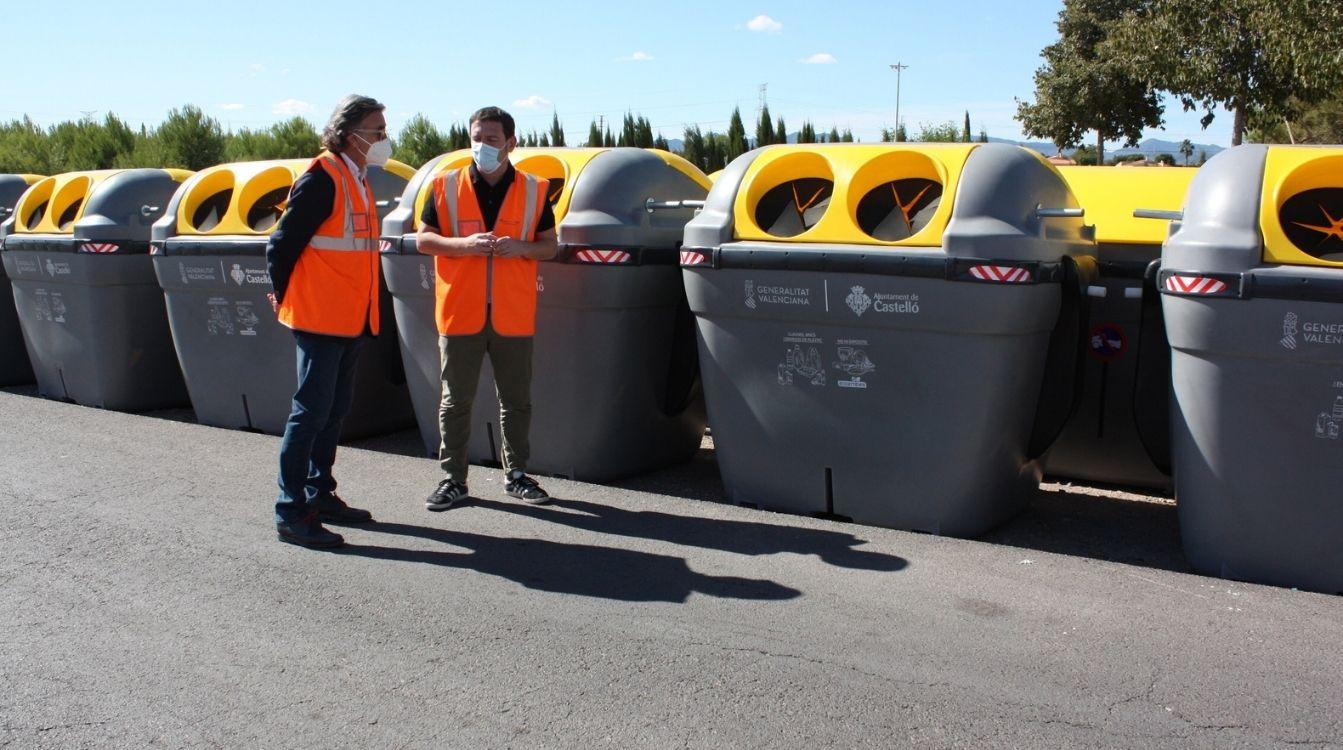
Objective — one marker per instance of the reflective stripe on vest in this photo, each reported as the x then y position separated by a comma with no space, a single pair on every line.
461,298
333,289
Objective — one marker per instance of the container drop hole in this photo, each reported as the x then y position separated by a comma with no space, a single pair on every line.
899,209
793,207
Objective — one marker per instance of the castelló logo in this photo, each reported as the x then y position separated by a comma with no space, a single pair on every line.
858,300
750,294
1288,339
237,274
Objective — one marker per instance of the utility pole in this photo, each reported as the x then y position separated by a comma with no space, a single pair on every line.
898,68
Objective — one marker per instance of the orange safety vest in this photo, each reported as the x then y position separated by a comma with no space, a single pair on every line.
460,296
334,287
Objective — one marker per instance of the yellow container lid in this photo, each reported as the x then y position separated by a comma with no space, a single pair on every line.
1111,194
890,194
245,198
53,205
1301,210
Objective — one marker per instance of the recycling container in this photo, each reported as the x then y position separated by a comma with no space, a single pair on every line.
1252,290
77,254
616,388
209,254
14,366
886,332
1101,442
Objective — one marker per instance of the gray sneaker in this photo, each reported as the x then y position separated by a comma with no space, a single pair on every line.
448,493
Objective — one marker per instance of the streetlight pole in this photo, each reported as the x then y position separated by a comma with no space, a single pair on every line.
898,68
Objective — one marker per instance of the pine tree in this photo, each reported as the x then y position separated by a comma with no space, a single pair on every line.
764,128
780,132
847,137
736,136
556,130
594,136
661,143
833,137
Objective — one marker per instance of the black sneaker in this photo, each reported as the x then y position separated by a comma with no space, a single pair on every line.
308,532
525,488
332,509
449,493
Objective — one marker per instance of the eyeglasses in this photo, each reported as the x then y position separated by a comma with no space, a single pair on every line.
381,133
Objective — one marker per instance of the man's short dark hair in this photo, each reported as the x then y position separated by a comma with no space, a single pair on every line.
494,114
348,114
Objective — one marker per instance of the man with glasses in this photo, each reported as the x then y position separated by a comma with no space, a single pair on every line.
323,262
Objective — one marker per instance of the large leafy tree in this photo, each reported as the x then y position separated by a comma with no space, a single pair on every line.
1266,58
191,140
420,140
1084,87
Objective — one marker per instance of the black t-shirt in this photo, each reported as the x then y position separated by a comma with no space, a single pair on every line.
490,198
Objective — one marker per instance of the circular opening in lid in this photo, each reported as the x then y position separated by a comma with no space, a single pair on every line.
67,202
793,207
899,209
67,219
211,210
1313,222
266,211
35,215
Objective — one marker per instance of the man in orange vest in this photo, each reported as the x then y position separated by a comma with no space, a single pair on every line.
323,261
487,224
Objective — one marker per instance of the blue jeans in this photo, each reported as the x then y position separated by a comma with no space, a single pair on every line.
326,377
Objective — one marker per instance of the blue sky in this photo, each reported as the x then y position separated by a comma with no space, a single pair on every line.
250,64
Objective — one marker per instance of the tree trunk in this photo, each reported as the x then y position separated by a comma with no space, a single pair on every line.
1100,148
1238,125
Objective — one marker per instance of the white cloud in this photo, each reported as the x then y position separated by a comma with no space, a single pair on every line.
256,69
284,71
292,107
233,105
764,24
820,58
535,101
641,57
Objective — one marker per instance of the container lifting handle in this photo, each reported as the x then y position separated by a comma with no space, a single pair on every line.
1059,213
6,212
1153,213
149,211
388,202
652,205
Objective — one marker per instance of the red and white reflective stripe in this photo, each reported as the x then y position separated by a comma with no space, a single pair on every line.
692,258
97,247
1194,285
384,246
1001,274
602,256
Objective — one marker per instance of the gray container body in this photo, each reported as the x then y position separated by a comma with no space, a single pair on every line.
1257,392
14,366
94,323
240,362
615,390
886,385
1101,442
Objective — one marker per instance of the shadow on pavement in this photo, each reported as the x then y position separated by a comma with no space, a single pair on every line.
580,569
1132,532
740,537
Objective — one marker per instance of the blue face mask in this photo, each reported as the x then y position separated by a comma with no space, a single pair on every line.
487,158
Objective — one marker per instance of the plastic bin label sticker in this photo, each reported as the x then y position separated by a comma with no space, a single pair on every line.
1107,342
58,308
773,294
246,317
802,360
243,276
426,285
24,267
852,360
220,319
42,304
55,269
1296,332
1329,423
205,274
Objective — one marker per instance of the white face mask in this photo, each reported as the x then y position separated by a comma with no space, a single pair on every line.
487,157
378,153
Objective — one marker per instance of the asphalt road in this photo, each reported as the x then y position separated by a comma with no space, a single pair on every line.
144,601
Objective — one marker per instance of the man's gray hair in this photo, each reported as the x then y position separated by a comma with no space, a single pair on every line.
349,113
